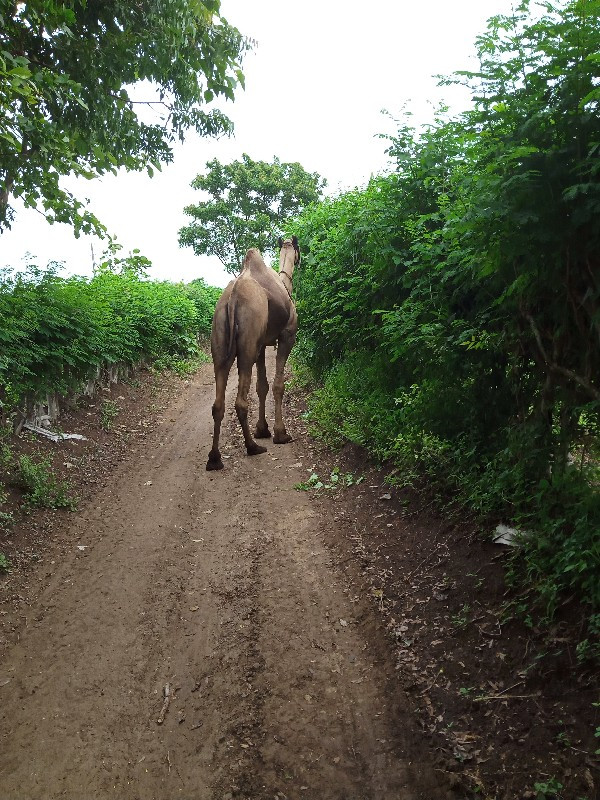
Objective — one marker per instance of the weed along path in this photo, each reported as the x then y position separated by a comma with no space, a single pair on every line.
194,638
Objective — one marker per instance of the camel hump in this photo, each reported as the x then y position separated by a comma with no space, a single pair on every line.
253,258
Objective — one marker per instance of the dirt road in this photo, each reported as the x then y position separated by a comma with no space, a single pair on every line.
220,585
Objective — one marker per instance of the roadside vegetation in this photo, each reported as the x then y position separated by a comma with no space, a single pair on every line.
450,311
69,105
56,332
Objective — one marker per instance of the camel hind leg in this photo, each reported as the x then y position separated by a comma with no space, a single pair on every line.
218,412
241,407
262,389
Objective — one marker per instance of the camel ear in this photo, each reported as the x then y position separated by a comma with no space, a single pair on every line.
280,242
296,248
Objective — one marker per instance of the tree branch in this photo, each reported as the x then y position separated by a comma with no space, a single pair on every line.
552,365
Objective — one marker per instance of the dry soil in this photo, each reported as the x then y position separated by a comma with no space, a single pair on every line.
219,590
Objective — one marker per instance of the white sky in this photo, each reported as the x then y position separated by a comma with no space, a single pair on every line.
316,83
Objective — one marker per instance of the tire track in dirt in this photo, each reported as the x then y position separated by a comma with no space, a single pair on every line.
220,585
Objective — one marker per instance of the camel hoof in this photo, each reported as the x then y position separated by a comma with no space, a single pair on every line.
282,438
214,462
255,449
262,433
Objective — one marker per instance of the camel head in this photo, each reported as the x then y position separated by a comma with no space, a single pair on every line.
287,243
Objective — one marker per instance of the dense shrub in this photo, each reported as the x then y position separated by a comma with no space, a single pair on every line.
204,298
55,331
452,308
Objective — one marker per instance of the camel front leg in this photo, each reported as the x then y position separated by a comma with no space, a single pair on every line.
218,412
262,389
241,408
284,347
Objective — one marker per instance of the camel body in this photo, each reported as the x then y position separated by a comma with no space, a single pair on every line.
254,311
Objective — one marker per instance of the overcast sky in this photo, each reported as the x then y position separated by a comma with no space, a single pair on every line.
316,84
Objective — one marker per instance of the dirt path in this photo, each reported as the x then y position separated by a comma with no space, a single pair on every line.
220,585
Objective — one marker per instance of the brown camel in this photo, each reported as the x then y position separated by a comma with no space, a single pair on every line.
255,310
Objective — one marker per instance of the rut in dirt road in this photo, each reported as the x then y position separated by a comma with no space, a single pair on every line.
218,584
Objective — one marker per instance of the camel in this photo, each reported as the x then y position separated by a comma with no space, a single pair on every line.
255,310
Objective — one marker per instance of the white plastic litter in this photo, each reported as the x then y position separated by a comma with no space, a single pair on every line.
56,437
511,537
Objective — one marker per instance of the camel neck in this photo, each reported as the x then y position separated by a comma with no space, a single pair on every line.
287,282
286,270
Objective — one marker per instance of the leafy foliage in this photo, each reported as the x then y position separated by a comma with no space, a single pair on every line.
109,410
66,102
54,331
6,518
204,298
452,307
42,489
336,480
248,204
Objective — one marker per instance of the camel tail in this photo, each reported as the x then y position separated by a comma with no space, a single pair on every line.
231,328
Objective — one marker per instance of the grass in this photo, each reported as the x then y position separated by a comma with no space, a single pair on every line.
180,366
337,480
42,488
108,413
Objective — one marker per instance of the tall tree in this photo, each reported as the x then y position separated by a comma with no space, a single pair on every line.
248,204
66,73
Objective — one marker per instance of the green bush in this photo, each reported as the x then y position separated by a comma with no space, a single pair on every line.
354,405
109,411
42,489
204,299
55,331
181,366
6,517
451,308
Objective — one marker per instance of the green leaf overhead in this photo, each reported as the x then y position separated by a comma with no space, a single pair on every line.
67,102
